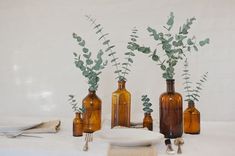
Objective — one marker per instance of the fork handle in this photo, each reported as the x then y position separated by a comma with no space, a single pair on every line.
85,147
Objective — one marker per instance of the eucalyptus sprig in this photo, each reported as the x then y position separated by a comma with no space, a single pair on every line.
75,105
193,94
146,104
173,45
121,69
91,69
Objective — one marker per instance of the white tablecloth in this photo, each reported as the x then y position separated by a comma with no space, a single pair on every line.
216,139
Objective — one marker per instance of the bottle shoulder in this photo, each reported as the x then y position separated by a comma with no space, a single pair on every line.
121,91
94,98
192,110
174,94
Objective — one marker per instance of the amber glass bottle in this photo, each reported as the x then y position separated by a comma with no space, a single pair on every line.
77,125
92,114
121,106
191,119
171,124
148,121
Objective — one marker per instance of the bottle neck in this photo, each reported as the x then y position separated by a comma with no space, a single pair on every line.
170,86
191,104
121,84
147,114
92,92
78,115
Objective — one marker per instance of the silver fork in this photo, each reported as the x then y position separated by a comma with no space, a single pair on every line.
88,138
19,133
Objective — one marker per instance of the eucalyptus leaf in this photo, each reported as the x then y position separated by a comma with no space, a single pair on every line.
111,53
130,60
102,36
85,50
109,48
118,71
82,43
106,42
98,31
89,62
75,54
195,48
115,59
97,26
189,42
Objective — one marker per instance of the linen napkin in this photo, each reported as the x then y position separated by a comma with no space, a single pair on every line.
52,126
45,127
150,150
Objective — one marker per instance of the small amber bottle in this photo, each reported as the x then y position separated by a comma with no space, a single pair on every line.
77,125
191,119
121,106
148,121
92,115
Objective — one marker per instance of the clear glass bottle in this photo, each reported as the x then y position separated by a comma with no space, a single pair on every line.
92,114
77,125
191,119
148,121
121,106
171,112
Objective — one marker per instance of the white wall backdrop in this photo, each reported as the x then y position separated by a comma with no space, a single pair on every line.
36,62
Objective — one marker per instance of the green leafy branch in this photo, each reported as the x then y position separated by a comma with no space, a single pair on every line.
106,42
121,69
193,94
74,104
174,46
146,104
130,54
91,69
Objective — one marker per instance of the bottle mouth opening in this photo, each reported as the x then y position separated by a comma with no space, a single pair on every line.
170,80
190,102
91,91
122,81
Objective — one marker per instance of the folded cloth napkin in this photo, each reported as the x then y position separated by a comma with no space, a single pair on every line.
132,151
45,127
150,150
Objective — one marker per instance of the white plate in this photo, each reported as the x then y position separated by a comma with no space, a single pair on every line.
129,137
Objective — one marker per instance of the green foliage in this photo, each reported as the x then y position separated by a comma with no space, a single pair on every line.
90,68
121,69
174,46
146,104
74,104
193,94
132,46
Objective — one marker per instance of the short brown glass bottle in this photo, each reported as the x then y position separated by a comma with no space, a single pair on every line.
92,114
171,124
77,125
121,106
148,121
191,119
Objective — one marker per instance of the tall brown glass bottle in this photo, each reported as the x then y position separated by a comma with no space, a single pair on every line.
171,124
191,119
92,114
77,125
148,121
121,106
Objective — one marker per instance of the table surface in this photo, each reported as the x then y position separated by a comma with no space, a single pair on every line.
216,138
